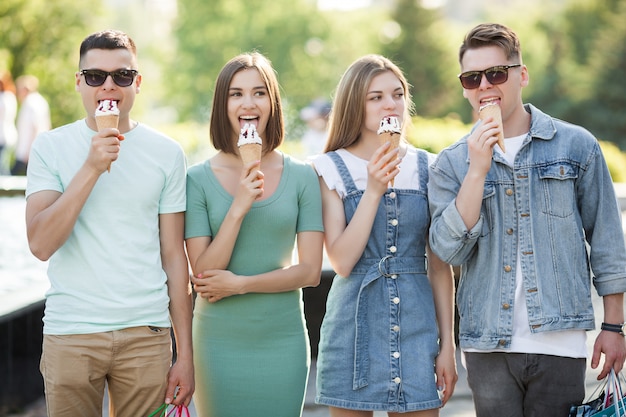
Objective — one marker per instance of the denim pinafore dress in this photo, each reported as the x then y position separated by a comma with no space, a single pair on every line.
379,336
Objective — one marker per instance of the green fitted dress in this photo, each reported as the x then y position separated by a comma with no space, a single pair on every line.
251,351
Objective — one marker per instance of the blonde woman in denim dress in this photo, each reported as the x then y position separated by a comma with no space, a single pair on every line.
387,339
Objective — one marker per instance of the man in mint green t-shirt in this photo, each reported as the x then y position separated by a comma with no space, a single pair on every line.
106,208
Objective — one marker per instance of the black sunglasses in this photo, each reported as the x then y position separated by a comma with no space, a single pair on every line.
121,77
495,75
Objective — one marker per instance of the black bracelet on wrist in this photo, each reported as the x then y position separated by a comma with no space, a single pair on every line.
617,328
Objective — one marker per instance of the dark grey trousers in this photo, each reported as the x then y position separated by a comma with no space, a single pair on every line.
524,385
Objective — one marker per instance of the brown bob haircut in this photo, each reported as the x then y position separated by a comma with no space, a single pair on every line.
223,137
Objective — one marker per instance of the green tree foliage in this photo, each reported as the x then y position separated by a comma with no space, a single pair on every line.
420,50
41,37
583,21
587,48
563,80
309,48
603,110
211,32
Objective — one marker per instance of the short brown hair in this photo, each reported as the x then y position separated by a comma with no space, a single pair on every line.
492,34
223,137
348,111
107,39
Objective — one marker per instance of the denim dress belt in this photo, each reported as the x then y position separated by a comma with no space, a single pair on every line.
387,267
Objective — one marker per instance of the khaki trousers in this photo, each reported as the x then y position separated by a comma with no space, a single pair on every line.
133,363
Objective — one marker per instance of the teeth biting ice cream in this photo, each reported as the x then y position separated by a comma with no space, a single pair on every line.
250,144
390,131
107,115
492,109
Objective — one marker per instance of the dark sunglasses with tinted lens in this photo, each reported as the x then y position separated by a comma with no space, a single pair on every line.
495,75
121,77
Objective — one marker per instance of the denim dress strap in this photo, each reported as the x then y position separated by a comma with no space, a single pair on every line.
422,168
344,172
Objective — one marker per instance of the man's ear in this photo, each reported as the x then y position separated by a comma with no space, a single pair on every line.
138,83
525,76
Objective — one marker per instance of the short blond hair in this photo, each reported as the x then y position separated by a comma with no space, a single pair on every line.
29,83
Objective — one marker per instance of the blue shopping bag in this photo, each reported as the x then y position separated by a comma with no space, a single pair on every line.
611,402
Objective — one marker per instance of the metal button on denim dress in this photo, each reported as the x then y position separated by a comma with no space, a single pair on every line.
379,336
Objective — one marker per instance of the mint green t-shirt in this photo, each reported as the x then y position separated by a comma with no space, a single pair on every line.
108,274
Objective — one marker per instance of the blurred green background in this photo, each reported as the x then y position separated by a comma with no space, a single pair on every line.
575,51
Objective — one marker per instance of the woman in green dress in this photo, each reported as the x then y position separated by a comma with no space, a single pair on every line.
251,348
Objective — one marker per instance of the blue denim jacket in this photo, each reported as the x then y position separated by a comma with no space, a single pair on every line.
558,198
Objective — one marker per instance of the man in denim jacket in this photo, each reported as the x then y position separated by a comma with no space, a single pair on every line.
527,225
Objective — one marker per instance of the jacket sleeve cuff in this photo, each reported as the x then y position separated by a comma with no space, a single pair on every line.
456,225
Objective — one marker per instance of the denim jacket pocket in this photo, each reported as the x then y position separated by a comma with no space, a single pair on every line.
557,183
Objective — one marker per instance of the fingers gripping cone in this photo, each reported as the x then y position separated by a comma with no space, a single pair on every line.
107,116
493,110
390,131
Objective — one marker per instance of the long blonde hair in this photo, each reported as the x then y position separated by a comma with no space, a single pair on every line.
348,112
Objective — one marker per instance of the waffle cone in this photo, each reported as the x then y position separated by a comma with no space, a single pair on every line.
493,110
250,152
105,122
394,139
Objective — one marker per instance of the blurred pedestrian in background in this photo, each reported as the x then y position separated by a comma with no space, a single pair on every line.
33,118
315,115
8,112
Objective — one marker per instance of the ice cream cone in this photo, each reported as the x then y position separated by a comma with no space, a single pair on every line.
250,152
107,121
250,144
493,110
394,139
107,116
390,131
